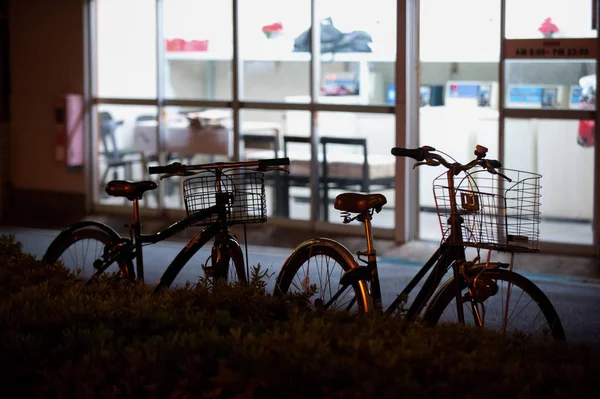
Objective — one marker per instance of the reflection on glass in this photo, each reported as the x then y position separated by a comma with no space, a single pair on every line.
358,51
551,84
538,19
269,31
126,56
354,155
198,49
554,149
122,154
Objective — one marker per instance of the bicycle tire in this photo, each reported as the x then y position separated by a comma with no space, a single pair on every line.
236,256
92,231
187,253
446,294
327,248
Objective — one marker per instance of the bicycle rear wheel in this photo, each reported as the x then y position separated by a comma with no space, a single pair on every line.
322,263
79,247
500,300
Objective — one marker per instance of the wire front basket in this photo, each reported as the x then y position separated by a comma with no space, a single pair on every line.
242,191
496,214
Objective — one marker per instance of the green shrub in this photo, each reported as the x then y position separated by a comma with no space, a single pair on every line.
58,339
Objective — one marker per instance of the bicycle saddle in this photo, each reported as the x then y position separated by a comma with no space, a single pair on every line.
129,189
359,203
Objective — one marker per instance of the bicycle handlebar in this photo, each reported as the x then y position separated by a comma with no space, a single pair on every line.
179,169
425,156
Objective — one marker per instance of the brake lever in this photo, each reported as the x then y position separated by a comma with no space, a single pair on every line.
492,170
504,176
429,162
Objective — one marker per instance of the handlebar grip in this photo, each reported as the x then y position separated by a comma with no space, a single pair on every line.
172,168
494,163
265,163
417,154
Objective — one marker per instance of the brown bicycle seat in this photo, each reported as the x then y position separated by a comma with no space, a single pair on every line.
129,189
359,203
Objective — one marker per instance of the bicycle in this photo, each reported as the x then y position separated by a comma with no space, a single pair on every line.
216,196
475,212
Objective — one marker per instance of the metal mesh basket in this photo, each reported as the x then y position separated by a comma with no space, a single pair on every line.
244,191
496,214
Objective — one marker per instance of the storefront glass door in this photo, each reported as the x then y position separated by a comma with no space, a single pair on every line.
548,111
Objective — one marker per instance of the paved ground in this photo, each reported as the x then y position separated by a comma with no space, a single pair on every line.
576,296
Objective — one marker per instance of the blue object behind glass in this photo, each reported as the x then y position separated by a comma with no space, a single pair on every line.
576,94
531,95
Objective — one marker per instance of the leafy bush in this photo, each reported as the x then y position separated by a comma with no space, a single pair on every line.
58,339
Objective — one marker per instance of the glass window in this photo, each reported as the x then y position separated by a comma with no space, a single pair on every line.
358,52
538,19
192,136
270,33
556,84
262,134
460,51
354,155
562,152
126,48
124,150
460,31
198,49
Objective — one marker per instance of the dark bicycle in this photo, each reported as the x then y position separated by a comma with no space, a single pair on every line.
217,196
477,210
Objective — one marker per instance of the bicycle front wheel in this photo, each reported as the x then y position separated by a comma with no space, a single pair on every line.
80,247
228,262
320,264
500,300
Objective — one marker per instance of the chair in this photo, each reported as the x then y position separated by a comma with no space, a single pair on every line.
116,158
343,169
263,146
169,184
347,170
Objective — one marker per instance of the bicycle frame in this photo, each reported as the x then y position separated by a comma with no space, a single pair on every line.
137,239
442,259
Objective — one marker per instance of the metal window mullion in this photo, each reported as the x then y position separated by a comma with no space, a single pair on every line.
160,95
315,83
412,62
565,114
125,101
596,191
237,82
501,221
89,91
501,111
407,129
170,102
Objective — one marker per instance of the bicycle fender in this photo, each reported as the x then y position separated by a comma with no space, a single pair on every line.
86,223
340,248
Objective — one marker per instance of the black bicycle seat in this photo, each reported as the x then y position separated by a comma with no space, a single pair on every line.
129,189
359,203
